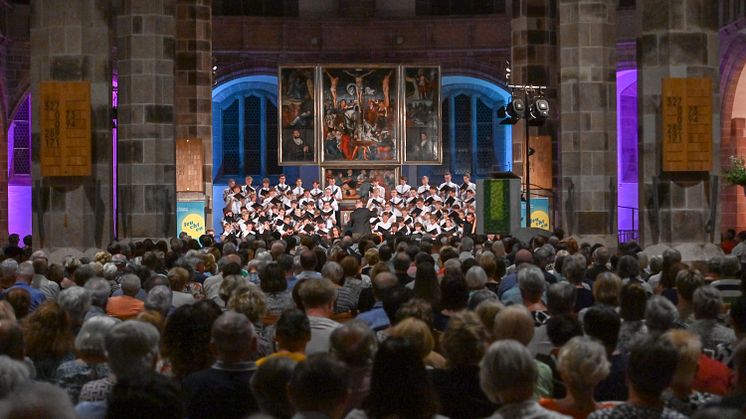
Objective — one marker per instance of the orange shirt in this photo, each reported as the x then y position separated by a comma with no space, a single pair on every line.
124,307
295,356
551,404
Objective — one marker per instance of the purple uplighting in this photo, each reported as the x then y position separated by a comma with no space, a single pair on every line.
19,170
114,124
627,171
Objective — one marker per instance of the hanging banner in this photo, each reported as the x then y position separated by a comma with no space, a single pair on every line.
190,218
539,213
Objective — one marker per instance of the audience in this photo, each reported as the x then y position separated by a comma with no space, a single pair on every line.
379,325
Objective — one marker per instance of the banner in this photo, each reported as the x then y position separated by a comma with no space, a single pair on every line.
190,218
539,213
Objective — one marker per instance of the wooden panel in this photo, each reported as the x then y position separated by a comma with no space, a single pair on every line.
65,129
189,165
541,162
687,125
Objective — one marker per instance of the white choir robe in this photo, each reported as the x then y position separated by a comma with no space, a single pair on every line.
402,189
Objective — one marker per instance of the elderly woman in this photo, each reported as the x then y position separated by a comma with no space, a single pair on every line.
463,345
345,301
707,306
352,280
508,358
418,332
680,395
582,365
531,285
90,363
574,270
476,281
275,288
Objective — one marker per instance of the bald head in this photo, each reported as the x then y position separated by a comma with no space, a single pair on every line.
514,322
523,256
233,337
354,343
382,282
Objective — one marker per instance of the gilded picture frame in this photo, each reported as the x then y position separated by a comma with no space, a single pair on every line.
297,111
421,120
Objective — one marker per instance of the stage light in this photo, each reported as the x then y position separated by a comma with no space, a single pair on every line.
539,110
512,112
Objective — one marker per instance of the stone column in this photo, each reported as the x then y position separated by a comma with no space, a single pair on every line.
193,101
70,42
534,61
146,154
677,39
587,32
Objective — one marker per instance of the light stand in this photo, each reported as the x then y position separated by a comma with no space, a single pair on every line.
537,111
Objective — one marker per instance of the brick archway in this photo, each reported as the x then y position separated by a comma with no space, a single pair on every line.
733,131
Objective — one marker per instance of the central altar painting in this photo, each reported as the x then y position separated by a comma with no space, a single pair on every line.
362,115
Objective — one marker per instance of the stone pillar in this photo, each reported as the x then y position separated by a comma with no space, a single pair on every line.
193,101
70,42
4,123
534,61
677,39
146,154
587,32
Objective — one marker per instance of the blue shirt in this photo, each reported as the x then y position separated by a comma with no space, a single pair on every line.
509,281
376,318
37,297
292,281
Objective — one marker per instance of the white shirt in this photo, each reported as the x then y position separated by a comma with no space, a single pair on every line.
336,191
403,189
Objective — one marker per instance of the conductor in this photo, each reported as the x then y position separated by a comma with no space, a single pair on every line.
359,223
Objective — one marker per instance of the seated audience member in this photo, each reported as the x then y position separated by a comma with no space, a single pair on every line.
707,306
687,282
275,288
249,300
49,339
90,363
190,323
292,334
131,350
354,343
20,301
560,329
37,400
126,306
345,300
145,395
269,386
736,399
13,373
319,387
574,270
454,299
318,299
76,301
457,385
418,333
632,311
508,375
376,317
159,301
516,323
737,317
603,323
531,284
100,291
223,390
486,311
582,365
680,395
476,281
652,365
178,278
24,275
560,301
398,367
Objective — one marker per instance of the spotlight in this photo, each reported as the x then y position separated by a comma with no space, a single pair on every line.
214,68
512,112
539,110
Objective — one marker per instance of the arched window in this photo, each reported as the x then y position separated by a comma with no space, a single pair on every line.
473,139
245,129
